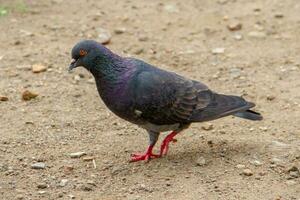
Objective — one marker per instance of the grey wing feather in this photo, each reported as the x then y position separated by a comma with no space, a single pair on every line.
167,98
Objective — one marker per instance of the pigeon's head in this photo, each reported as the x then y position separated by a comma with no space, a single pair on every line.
87,53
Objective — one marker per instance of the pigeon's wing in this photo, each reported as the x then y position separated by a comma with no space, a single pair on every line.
167,98
220,106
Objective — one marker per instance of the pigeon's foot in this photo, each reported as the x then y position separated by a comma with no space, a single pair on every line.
146,156
165,144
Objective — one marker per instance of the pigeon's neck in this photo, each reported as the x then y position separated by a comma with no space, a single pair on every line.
108,67
111,74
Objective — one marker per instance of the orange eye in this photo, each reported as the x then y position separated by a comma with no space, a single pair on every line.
82,52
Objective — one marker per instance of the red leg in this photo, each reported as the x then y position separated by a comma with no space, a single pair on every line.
165,144
146,156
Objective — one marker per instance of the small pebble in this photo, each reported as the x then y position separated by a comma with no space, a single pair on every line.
218,50
263,128
3,98
235,73
234,26
247,172
28,95
88,158
119,30
293,169
19,197
42,185
201,161
71,196
38,165
77,154
270,98
144,188
256,162
63,182
257,34
77,78
262,173
37,68
258,178
207,127
238,36
68,168
42,192
104,36
240,166
293,172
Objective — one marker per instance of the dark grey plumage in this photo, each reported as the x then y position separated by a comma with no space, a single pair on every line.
155,99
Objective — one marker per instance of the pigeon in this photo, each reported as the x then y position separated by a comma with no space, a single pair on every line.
152,98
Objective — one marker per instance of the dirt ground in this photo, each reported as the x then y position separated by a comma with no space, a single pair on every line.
229,158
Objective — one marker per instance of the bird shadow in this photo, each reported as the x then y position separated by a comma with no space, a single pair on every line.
214,154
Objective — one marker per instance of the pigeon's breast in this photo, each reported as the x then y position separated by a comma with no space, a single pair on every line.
118,100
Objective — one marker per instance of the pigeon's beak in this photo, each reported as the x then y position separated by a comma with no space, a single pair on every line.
73,64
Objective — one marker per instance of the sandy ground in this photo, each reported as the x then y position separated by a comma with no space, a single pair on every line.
231,159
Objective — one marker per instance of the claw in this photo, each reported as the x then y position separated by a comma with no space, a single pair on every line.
146,156
164,148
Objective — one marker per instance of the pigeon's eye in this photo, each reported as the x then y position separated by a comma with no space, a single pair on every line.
82,52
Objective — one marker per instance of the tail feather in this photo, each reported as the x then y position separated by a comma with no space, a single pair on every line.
249,114
220,106
223,105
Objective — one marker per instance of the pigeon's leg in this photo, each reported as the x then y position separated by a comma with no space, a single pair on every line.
165,143
170,138
153,136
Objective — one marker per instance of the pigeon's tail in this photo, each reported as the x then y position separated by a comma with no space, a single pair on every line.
249,114
223,105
